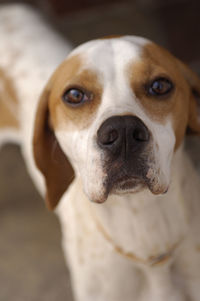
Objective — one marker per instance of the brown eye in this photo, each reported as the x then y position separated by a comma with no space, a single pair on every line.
160,86
74,96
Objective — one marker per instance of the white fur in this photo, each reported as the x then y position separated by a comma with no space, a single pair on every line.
29,52
113,249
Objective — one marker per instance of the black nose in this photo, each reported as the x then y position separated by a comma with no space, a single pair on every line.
123,134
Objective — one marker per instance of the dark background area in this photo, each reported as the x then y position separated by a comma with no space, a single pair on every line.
32,266
177,19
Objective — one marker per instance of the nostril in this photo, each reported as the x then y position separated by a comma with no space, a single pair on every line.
122,134
109,138
140,135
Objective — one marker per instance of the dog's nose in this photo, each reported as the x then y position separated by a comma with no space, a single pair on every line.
123,134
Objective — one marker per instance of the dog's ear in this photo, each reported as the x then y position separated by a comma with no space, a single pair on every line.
48,155
194,110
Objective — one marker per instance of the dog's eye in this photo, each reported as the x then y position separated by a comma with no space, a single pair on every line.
160,86
74,96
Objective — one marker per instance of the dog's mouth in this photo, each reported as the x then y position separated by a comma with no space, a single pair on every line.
122,187
125,177
124,182
127,185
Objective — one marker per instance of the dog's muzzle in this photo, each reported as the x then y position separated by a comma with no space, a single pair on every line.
123,141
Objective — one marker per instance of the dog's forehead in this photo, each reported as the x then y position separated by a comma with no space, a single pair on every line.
103,54
124,65
97,66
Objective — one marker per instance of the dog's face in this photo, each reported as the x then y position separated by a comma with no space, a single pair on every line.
118,109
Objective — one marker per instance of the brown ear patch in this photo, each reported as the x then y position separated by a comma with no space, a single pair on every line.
194,114
112,36
157,62
49,157
194,107
8,103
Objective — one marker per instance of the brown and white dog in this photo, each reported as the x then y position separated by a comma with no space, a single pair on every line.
118,109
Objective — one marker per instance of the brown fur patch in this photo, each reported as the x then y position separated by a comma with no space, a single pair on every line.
49,157
69,75
112,36
8,103
158,62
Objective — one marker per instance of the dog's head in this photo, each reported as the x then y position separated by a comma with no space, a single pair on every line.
118,109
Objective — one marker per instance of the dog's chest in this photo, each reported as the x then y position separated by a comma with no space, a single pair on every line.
147,244
145,230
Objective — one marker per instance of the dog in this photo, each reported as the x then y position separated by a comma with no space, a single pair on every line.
105,141
117,110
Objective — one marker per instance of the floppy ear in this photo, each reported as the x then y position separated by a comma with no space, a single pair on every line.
48,155
194,109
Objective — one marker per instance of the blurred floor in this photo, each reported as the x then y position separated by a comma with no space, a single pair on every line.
32,267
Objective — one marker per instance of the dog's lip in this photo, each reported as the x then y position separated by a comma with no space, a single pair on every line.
130,189
101,199
129,185
158,189
154,186
122,186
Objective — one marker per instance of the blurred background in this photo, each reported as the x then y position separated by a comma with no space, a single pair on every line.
32,266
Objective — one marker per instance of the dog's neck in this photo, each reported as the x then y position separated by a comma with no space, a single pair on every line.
142,226
149,226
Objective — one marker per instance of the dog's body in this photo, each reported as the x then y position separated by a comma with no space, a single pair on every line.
29,52
118,109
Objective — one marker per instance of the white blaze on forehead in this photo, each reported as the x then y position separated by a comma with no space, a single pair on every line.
101,54
109,59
